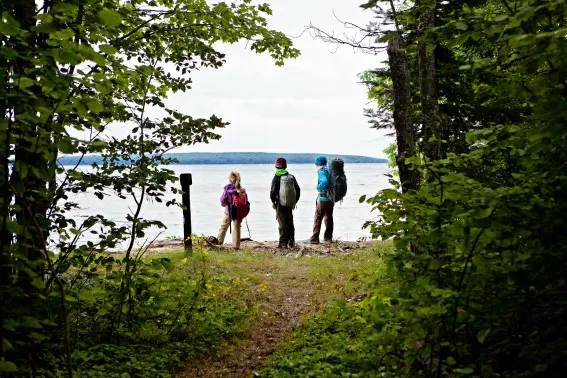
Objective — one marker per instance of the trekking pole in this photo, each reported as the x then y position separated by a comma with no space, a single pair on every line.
230,219
250,236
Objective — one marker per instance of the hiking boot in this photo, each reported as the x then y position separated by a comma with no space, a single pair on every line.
212,240
280,246
291,244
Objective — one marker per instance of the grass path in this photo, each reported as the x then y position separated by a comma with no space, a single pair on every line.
283,290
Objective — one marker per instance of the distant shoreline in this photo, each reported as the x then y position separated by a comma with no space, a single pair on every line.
223,158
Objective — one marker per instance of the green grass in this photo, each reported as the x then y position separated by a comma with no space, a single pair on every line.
345,338
325,282
331,278
206,298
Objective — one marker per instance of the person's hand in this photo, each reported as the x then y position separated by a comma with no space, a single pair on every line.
273,206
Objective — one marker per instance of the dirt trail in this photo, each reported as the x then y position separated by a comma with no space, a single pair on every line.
243,357
292,296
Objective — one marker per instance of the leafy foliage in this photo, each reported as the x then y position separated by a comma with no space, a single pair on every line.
476,281
69,72
175,310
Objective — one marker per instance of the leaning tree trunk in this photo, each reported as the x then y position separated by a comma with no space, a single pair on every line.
403,122
433,124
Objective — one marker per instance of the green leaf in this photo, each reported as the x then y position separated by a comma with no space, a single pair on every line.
11,325
8,367
87,296
7,345
66,146
460,25
95,106
110,17
9,26
29,322
98,59
25,82
481,336
38,282
37,337
46,26
167,264
14,227
465,371
435,264
107,49
66,8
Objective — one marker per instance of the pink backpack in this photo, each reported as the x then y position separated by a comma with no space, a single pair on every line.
240,206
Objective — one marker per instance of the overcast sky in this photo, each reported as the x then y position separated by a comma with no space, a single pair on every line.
312,104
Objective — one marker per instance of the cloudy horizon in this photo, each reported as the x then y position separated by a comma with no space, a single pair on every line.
312,104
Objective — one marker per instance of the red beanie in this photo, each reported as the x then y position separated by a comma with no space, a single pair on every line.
281,163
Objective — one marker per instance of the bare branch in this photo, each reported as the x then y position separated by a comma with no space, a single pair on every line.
363,38
395,17
364,42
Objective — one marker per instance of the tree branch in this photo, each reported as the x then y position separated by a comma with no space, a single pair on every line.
363,40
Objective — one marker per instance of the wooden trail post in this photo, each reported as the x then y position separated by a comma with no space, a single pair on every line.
186,181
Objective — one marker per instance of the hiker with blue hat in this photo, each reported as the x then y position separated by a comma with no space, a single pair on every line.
323,205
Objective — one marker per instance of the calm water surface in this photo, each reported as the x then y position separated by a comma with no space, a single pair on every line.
206,212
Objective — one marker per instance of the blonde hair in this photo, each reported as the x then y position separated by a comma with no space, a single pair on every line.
234,178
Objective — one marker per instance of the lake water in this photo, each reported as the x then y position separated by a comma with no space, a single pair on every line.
206,212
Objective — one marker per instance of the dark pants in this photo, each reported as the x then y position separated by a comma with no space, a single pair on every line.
284,215
324,210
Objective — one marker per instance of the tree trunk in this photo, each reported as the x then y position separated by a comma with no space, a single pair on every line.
433,124
5,192
31,142
403,122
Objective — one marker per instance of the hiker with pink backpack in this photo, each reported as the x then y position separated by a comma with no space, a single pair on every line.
236,208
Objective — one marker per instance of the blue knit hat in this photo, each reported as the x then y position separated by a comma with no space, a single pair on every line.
321,161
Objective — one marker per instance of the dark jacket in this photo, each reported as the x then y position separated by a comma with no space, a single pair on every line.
275,190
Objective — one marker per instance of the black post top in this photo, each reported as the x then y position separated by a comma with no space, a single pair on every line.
186,179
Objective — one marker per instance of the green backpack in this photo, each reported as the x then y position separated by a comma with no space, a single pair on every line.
287,195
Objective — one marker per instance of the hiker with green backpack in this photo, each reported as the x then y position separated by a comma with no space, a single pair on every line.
284,195
331,188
